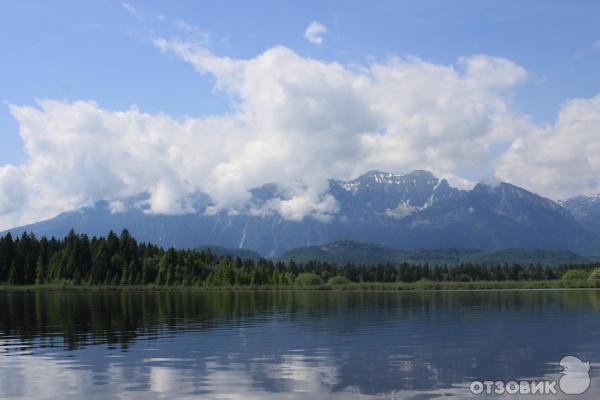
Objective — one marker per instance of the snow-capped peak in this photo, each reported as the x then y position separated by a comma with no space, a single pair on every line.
589,198
377,178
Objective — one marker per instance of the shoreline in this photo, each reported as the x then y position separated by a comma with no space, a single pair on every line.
365,287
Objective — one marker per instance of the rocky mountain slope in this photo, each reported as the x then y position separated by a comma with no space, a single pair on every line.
586,209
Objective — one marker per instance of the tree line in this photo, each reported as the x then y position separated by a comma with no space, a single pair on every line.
122,260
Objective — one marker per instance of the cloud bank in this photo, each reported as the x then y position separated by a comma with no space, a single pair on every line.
296,121
561,160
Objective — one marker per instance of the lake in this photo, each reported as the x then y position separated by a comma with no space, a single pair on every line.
293,345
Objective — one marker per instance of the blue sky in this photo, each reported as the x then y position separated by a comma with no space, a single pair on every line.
96,50
115,98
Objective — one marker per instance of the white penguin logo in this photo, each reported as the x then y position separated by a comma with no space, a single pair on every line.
575,377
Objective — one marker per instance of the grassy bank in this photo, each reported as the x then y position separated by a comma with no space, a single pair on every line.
395,286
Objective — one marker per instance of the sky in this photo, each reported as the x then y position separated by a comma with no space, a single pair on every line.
106,99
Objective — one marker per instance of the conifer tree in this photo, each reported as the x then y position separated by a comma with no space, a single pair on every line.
40,271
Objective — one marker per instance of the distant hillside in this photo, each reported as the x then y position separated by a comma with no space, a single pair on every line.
527,256
244,254
348,251
343,252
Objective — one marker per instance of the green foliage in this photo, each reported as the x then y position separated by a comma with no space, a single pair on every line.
219,251
575,275
122,261
40,271
308,279
595,275
338,280
223,275
526,257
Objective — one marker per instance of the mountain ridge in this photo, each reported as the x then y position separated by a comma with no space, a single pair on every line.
586,209
415,210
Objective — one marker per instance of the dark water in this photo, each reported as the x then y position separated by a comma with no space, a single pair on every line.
310,345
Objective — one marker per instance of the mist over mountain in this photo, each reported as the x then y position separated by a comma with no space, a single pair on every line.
412,211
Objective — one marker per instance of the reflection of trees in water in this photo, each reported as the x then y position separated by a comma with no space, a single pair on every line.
311,341
82,318
577,298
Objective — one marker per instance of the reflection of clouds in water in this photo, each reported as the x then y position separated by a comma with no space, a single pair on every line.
222,383
294,377
298,377
165,380
41,378
27,377
407,367
315,374
398,344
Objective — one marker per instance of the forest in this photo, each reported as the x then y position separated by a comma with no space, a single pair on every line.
121,260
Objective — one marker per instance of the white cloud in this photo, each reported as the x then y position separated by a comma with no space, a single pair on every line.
132,10
192,31
171,196
12,189
13,192
294,121
117,207
184,26
558,160
295,208
314,32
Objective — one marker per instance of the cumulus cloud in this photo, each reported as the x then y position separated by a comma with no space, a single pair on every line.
295,208
314,32
561,159
293,121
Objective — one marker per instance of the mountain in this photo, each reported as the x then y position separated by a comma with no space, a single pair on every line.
586,209
552,257
429,213
348,251
416,210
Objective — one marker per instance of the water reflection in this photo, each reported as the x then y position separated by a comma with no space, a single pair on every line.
287,344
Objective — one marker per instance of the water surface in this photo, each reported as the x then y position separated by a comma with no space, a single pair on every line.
317,345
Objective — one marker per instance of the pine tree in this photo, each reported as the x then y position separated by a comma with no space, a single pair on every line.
40,271
126,274
12,275
100,265
149,271
117,264
7,254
